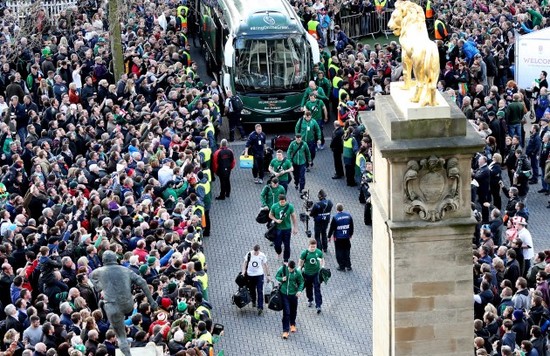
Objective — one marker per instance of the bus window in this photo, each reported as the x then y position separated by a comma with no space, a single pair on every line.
271,65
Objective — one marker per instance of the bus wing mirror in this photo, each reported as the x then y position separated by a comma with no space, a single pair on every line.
227,82
315,53
228,52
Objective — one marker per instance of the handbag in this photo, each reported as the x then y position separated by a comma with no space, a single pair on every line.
263,216
276,299
246,162
242,279
271,233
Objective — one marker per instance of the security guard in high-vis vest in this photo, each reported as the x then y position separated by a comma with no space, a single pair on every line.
209,133
204,309
314,28
205,153
336,80
380,5
203,333
341,230
191,70
204,192
429,16
350,148
333,68
360,164
202,278
429,10
440,30
181,16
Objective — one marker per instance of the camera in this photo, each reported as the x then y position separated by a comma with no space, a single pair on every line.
308,203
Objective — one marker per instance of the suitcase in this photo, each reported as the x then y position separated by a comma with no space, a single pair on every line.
241,298
280,142
246,162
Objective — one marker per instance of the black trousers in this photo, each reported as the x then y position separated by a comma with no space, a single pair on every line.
320,230
206,231
342,248
225,184
350,175
258,167
338,166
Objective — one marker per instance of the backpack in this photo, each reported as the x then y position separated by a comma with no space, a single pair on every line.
236,103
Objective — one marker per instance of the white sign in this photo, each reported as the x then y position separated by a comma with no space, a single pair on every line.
533,56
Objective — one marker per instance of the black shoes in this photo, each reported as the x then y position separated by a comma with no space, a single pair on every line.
533,181
542,191
348,269
220,198
341,269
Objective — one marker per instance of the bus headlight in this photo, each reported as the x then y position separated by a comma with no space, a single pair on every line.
245,112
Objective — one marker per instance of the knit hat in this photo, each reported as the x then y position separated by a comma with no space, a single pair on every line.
182,306
151,261
500,113
172,287
113,206
178,336
143,269
165,303
161,316
518,314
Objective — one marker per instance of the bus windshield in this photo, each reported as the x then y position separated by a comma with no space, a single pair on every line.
271,65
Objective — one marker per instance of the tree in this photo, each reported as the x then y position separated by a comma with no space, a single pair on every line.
116,39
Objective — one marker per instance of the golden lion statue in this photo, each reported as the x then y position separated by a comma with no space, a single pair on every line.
418,52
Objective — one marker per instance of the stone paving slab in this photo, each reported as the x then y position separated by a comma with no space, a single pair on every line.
346,320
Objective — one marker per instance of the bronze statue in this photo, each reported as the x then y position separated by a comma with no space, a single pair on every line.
116,282
418,52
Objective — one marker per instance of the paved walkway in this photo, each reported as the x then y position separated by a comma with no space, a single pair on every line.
345,324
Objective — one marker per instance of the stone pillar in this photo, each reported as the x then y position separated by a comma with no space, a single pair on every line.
422,226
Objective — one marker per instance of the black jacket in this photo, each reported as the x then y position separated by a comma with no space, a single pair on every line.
337,144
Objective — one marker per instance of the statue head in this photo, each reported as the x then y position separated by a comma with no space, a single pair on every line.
109,258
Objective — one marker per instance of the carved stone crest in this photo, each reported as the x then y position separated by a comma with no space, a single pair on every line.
432,187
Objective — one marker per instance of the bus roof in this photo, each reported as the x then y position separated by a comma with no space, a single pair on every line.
251,17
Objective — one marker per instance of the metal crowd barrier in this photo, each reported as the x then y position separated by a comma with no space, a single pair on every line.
52,8
369,24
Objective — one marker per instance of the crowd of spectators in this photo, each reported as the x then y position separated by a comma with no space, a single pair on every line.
91,163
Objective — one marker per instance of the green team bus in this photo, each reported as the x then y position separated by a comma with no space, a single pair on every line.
261,52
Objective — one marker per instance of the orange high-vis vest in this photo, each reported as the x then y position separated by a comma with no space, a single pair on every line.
429,10
312,28
438,35
379,5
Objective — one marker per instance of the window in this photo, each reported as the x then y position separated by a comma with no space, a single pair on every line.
272,65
